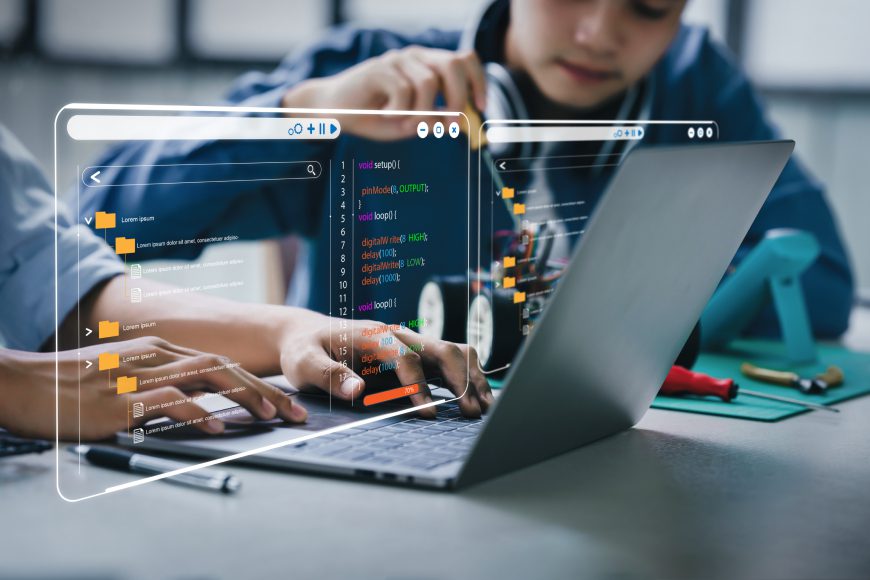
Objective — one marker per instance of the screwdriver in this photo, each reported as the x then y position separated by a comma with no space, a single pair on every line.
832,377
682,381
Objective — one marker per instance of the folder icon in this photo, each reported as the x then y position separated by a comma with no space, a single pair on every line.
109,361
107,329
125,245
519,208
126,385
507,192
510,281
510,261
104,221
519,297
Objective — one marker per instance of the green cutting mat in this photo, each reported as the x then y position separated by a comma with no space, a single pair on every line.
768,354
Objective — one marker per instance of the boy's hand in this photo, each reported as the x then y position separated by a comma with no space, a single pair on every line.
406,79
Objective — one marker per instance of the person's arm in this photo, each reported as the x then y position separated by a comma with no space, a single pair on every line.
268,340
699,80
47,266
262,209
90,409
201,342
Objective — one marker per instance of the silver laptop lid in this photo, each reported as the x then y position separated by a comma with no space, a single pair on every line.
656,247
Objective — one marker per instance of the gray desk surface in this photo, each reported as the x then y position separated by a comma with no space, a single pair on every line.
680,495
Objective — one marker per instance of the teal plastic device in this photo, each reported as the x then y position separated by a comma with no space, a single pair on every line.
776,263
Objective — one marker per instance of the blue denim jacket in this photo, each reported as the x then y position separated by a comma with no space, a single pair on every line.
28,233
695,79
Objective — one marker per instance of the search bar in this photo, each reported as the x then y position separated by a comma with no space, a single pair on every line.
199,128
179,173
552,133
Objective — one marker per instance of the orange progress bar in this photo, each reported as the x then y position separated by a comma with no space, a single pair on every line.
397,393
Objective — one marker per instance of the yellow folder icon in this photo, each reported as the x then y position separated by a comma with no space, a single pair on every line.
519,208
107,329
126,385
104,221
510,281
109,361
510,261
125,245
519,297
507,192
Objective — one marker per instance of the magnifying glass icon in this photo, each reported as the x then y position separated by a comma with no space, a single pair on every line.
310,170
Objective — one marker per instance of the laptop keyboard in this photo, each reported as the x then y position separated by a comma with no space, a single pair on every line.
416,443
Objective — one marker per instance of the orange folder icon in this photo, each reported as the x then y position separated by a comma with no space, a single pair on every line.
510,261
507,192
109,361
510,281
126,385
519,208
519,297
104,221
108,329
125,245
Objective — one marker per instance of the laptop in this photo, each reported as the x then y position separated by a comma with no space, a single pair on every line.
653,253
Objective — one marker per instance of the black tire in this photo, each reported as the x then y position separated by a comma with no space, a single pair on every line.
498,337
453,291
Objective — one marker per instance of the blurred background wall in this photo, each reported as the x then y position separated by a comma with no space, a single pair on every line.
809,58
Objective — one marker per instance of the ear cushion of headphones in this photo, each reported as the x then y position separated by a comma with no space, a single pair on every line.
504,101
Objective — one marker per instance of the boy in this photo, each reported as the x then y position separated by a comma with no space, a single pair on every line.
570,59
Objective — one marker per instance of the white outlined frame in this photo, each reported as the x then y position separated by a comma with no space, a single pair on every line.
481,138
225,109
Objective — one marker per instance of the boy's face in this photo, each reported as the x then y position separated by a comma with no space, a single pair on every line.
580,53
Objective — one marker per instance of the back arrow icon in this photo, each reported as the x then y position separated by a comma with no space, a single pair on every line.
94,176
501,165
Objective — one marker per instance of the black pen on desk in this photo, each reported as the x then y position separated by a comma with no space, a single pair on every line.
123,460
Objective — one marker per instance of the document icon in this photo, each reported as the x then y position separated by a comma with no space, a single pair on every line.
126,385
510,261
507,192
135,295
519,297
108,329
109,361
510,281
104,221
519,208
138,410
135,271
125,245
138,436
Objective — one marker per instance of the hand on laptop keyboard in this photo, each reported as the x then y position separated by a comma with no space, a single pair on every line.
322,354
164,387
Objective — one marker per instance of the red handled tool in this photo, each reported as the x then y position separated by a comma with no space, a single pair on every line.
681,381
